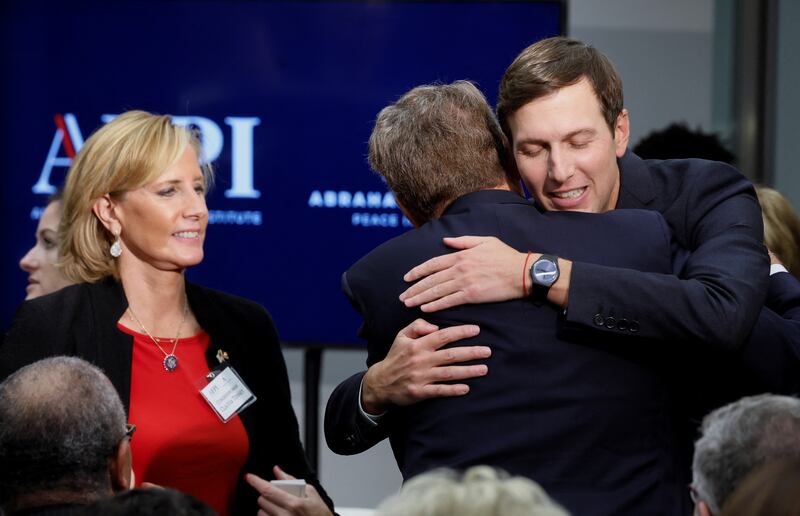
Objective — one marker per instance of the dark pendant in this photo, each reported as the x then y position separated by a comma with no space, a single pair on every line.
170,363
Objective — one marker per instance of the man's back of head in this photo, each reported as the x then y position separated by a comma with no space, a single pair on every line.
62,435
435,144
738,438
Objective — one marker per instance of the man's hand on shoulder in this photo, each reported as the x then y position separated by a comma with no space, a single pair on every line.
415,365
485,270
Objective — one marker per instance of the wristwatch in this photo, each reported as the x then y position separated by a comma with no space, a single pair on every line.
544,272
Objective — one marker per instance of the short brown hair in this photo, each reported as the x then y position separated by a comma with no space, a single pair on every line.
125,154
551,64
435,144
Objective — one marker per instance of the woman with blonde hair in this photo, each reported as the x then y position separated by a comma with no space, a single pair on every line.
134,219
781,228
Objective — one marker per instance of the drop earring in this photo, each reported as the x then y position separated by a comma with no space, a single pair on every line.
116,247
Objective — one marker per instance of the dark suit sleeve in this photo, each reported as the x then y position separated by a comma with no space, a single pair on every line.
721,287
772,352
347,431
783,295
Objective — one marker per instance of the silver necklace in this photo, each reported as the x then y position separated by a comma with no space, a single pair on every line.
170,361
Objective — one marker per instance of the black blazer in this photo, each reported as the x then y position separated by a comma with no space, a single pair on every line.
769,360
81,320
772,353
587,415
714,214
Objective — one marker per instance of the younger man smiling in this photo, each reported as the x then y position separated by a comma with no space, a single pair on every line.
561,106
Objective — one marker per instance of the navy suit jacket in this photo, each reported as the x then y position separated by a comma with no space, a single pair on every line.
585,414
771,356
714,214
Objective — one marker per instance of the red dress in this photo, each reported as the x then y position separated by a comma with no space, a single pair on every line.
180,442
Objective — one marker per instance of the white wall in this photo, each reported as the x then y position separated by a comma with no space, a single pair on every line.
663,51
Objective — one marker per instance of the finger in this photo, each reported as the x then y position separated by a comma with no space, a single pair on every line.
274,497
271,509
442,390
425,284
455,299
431,266
282,475
460,354
455,373
258,483
465,242
436,287
261,512
418,328
150,485
450,334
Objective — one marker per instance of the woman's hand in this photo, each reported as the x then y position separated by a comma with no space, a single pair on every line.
273,501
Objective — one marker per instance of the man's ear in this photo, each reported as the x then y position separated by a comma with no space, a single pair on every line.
104,210
119,467
622,133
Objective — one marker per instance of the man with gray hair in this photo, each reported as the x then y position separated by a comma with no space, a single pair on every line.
64,442
479,491
738,438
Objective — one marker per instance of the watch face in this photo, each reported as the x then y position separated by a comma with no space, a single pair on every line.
545,272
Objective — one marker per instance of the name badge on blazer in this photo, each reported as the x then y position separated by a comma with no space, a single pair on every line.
226,392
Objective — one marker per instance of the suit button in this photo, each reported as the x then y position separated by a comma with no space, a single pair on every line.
634,327
598,320
622,324
610,322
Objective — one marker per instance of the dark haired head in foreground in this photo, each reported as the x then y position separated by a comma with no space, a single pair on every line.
63,439
150,502
677,141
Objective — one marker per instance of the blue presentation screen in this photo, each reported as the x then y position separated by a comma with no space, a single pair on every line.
284,95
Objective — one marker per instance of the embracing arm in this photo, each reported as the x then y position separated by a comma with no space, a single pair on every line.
772,352
347,431
485,271
716,296
410,372
720,287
